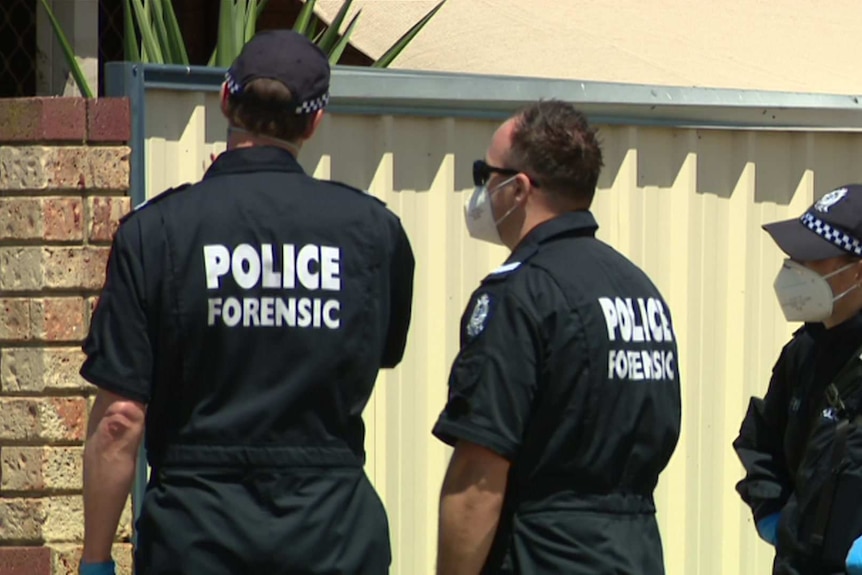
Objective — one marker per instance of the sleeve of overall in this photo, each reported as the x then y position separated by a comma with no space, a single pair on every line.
759,446
119,356
494,377
400,299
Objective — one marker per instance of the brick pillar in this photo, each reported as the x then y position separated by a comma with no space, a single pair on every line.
64,178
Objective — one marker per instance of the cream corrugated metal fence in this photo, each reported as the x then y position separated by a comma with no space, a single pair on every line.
685,204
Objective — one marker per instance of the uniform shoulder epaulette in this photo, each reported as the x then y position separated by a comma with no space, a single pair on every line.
357,190
506,270
154,200
503,272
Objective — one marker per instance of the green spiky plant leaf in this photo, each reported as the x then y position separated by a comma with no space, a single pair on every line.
305,21
130,43
386,59
260,7
341,45
160,31
225,43
175,35
330,37
239,12
151,50
152,33
68,53
250,21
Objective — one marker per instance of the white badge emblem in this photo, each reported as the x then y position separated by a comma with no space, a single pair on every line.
830,413
480,315
830,199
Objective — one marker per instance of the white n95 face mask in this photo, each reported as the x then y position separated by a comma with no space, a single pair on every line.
479,216
805,295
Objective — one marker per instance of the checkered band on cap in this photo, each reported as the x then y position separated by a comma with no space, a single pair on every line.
311,106
832,235
232,85
307,107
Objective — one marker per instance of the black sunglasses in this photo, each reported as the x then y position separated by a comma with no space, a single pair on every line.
482,173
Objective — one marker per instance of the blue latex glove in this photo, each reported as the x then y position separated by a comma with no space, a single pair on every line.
854,558
767,528
106,568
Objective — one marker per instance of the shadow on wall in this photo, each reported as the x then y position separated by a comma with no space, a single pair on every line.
410,154
835,161
615,143
780,163
403,155
722,157
662,155
659,153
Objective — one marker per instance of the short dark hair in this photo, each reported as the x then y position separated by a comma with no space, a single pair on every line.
554,144
266,107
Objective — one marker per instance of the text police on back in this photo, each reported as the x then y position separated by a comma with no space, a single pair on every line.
636,321
280,268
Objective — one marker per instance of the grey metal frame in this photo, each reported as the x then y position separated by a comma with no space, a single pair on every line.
369,91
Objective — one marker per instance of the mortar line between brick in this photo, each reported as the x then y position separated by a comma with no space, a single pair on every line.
48,192
50,293
38,494
49,393
31,344
38,243
87,216
23,543
38,345
66,192
41,443
95,193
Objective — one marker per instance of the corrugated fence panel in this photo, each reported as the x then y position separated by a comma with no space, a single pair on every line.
686,205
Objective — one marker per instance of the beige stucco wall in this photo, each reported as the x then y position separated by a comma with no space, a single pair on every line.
791,45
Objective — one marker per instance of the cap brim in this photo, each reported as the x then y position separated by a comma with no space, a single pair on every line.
800,243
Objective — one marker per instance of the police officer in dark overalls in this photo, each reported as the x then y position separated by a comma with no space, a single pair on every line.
244,319
801,444
564,400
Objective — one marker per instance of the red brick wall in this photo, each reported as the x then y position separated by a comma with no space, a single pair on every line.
64,178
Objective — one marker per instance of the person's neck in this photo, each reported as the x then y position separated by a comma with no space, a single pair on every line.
840,317
239,138
535,218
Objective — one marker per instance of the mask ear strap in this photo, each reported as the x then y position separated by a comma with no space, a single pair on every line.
502,184
506,215
513,208
851,288
847,291
839,270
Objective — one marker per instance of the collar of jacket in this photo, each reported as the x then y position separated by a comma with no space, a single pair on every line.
579,223
848,330
254,159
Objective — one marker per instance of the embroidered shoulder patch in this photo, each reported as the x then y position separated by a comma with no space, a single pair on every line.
479,317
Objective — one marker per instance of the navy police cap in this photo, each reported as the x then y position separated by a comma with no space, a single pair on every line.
831,227
288,57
